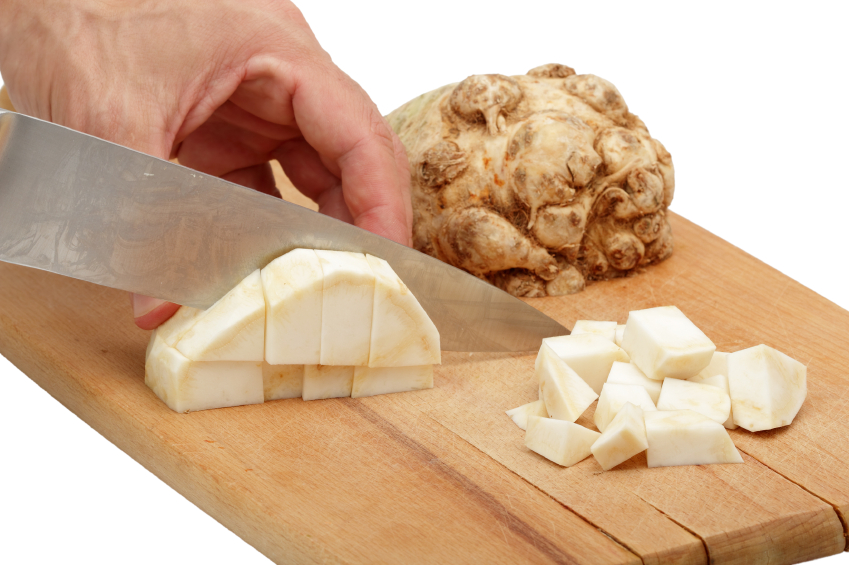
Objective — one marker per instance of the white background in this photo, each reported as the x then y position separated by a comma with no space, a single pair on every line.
750,99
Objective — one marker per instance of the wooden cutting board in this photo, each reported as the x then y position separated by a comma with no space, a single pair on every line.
442,476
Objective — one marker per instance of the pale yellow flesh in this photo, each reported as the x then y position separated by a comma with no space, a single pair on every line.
684,437
707,400
720,381
402,334
664,343
614,396
565,394
559,441
767,388
520,414
620,332
347,308
282,381
293,286
232,329
589,355
624,437
630,374
370,381
607,330
327,381
718,366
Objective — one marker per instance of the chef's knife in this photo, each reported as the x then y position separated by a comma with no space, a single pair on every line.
89,209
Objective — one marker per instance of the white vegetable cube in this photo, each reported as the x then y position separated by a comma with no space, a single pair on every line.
607,330
630,374
614,396
346,310
232,329
327,381
589,355
186,385
402,334
369,381
718,366
293,286
520,415
624,437
282,381
564,393
664,343
620,332
720,381
559,441
767,388
707,400
684,437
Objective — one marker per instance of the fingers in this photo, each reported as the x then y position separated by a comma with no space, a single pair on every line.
259,177
149,313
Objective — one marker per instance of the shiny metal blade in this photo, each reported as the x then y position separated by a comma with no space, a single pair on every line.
82,207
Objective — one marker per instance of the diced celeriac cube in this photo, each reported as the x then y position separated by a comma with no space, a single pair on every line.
620,331
589,355
232,329
607,330
346,309
282,381
664,343
520,415
684,437
327,381
630,374
767,388
718,366
369,381
186,385
293,285
402,334
559,441
707,400
565,394
720,381
624,437
614,396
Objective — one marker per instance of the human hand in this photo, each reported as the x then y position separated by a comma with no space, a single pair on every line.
223,85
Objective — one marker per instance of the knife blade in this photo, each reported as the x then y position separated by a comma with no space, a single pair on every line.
86,208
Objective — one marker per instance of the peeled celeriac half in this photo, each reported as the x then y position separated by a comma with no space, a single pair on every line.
559,441
684,437
564,393
767,388
266,338
520,414
589,355
624,437
707,400
664,343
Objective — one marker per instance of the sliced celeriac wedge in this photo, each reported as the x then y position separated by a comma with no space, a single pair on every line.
664,343
369,381
186,385
684,437
607,330
620,332
630,374
520,414
614,396
327,381
767,388
282,381
565,394
176,326
402,334
718,366
624,437
720,381
232,329
707,400
293,285
347,308
559,441
589,355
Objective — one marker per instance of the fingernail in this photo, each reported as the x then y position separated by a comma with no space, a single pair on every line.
144,305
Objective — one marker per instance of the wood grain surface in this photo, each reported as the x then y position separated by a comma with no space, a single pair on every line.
442,476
